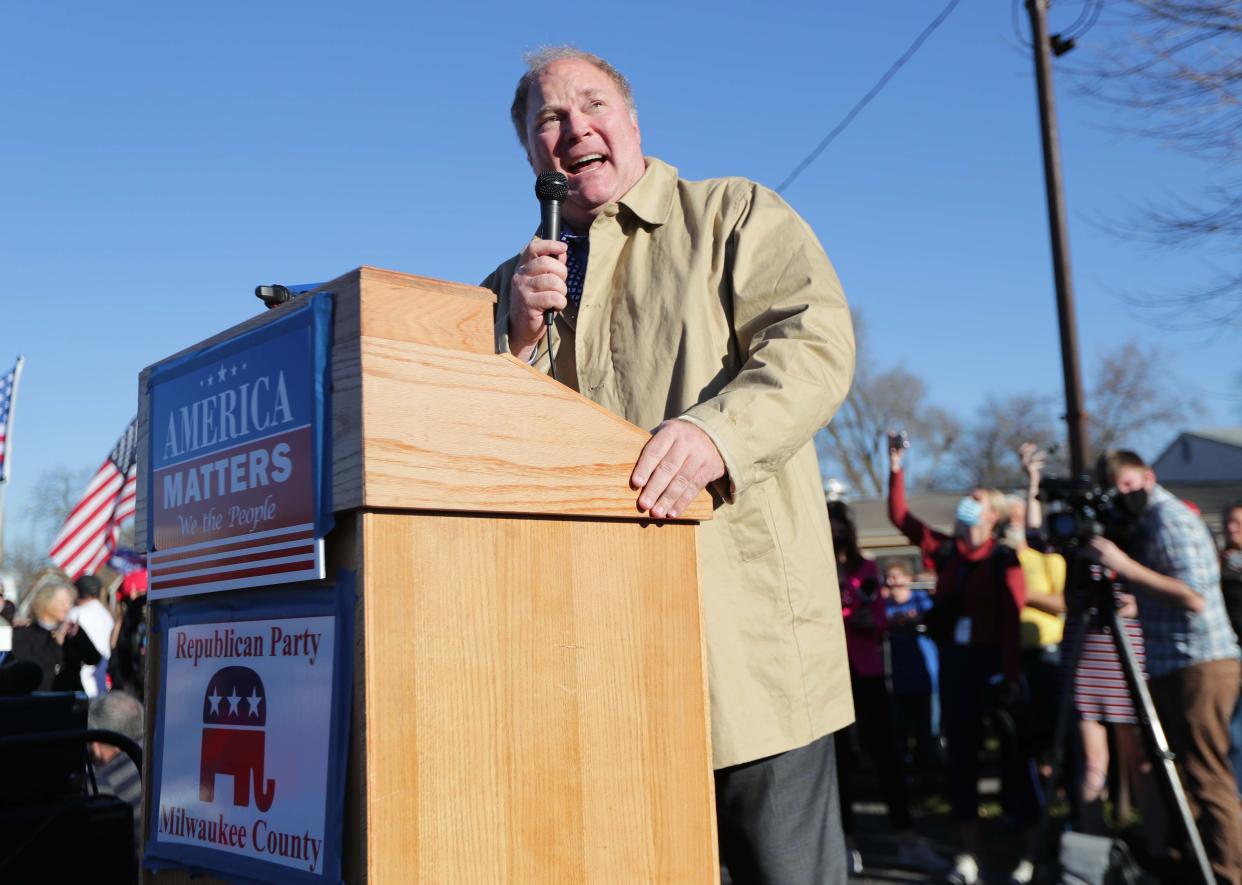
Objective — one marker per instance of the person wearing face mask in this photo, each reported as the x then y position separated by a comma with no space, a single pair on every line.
980,592
1043,616
1193,660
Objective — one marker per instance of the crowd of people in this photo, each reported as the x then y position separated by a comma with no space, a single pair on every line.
82,637
975,636
708,312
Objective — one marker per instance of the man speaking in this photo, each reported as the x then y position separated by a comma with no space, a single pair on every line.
708,311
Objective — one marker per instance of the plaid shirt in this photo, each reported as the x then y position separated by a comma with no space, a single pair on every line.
1175,542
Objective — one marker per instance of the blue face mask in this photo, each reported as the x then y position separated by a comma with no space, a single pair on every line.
969,512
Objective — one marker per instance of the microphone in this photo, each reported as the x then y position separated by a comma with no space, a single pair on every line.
551,188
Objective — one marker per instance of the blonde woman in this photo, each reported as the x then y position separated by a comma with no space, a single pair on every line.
52,641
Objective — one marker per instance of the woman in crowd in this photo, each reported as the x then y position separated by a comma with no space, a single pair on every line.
975,622
863,608
1102,700
53,642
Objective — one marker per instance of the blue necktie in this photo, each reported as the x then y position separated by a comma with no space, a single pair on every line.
575,263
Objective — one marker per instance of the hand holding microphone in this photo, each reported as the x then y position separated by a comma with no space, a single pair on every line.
538,287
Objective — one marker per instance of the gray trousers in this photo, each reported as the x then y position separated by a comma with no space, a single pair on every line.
779,819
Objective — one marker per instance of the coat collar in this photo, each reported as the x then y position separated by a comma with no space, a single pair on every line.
652,198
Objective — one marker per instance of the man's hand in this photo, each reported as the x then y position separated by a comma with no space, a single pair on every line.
1111,556
674,466
1171,591
538,285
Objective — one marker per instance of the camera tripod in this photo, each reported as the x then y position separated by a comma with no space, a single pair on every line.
1087,582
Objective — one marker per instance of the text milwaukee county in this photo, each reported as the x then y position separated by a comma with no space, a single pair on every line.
259,838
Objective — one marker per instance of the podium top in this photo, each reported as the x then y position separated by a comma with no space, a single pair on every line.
426,416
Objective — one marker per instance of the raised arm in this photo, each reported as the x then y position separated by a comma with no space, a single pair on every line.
923,536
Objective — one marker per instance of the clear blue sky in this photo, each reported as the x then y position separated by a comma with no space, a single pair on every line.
161,159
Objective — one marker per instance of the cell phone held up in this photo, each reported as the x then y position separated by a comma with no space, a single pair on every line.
898,441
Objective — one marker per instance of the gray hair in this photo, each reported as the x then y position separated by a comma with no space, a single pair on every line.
44,595
538,61
117,711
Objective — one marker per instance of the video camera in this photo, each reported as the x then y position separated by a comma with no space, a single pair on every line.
1078,510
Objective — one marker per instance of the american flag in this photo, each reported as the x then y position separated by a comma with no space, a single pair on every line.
90,533
8,394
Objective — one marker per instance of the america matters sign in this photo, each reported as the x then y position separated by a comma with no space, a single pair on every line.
237,494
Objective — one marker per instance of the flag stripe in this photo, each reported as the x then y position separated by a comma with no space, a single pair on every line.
301,564
296,554
90,533
229,582
82,517
232,551
228,545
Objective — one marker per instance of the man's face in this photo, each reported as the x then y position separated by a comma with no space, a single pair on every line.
1233,528
1131,479
578,123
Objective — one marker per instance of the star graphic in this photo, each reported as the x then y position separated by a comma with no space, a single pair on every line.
210,380
215,699
233,700
254,700
222,372
234,372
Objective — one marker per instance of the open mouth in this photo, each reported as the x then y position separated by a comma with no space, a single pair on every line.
587,163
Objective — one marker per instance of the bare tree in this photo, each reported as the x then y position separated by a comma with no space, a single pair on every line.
1132,395
1178,64
986,455
55,494
880,401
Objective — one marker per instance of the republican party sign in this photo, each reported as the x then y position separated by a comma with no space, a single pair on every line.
237,489
248,762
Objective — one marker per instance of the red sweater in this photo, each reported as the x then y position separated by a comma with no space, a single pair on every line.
971,579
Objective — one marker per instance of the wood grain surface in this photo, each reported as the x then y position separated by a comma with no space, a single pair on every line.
445,430
536,702
425,415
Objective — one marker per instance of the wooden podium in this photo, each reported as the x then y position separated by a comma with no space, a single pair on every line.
529,700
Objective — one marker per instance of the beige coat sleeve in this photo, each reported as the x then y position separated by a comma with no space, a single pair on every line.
797,343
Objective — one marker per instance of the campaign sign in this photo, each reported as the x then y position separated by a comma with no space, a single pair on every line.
249,757
237,491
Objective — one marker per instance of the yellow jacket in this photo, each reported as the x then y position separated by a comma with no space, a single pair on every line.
712,301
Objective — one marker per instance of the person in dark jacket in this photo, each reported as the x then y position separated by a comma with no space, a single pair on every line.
53,642
1231,587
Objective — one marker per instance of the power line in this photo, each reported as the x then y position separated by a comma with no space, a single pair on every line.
866,99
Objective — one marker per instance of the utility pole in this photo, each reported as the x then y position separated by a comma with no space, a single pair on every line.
1075,415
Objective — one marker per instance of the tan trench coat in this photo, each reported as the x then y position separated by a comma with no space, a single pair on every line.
713,301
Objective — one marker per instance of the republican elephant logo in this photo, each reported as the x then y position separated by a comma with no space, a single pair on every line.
234,719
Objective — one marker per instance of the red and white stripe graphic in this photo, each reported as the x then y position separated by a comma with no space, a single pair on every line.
257,559
90,534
